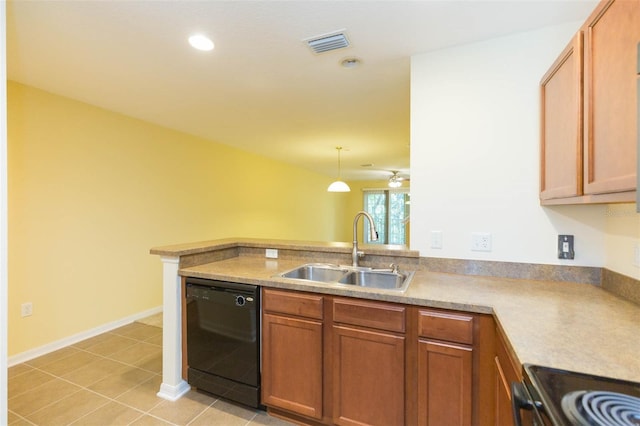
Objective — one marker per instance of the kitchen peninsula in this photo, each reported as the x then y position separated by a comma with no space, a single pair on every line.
570,325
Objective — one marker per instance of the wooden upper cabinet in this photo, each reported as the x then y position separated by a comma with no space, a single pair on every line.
612,33
561,125
588,111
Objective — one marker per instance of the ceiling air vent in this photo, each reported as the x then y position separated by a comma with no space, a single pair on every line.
328,42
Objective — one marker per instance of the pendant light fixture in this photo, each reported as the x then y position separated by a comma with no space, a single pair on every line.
338,185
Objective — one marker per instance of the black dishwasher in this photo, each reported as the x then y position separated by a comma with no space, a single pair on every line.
223,339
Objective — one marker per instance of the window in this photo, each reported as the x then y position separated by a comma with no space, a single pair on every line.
390,212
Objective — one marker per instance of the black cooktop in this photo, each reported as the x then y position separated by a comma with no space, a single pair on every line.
572,398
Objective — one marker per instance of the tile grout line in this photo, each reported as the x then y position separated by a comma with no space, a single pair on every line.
141,413
109,399
203,411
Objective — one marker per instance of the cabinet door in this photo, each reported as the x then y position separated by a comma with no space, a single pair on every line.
507,371
444,384
504,416
561,125
612,34
292,364
368,377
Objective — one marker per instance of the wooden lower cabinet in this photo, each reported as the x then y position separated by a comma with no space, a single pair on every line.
444,383
347,361
292,352
368,362
368,377
506,371
456,384
504,416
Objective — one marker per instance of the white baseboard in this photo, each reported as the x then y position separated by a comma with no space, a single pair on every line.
173,393
67,341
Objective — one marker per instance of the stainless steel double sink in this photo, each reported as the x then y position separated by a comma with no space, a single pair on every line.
386,279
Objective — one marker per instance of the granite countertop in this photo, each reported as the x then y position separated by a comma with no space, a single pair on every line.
570,326
317,246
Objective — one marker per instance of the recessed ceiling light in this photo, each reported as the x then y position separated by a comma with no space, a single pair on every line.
201,42
350,62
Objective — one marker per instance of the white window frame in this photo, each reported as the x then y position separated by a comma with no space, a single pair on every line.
384,233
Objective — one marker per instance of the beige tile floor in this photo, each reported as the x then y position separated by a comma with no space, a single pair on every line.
112,379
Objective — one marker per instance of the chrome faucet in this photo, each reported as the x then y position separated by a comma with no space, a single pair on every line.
355,254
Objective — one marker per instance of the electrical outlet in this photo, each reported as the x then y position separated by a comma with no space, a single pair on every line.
636,255
26,309
436,239
565,247
271,253
481,241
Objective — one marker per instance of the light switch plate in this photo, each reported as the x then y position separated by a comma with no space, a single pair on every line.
436,239
565,247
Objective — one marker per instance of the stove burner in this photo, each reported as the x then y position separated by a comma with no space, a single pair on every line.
601,408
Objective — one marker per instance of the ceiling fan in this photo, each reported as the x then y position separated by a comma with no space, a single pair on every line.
395,180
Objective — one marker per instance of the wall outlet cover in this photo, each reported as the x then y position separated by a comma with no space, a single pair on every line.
271,253
481,241
26,309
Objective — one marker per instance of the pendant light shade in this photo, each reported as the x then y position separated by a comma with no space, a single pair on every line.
338,185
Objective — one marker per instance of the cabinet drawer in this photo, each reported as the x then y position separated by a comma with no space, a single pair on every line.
380,316
292,303
445,326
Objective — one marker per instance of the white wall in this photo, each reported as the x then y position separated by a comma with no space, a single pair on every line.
474,153
623,239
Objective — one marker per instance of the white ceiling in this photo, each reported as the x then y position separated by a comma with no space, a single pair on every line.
261,89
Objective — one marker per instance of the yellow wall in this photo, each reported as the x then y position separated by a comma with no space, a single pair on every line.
91,191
